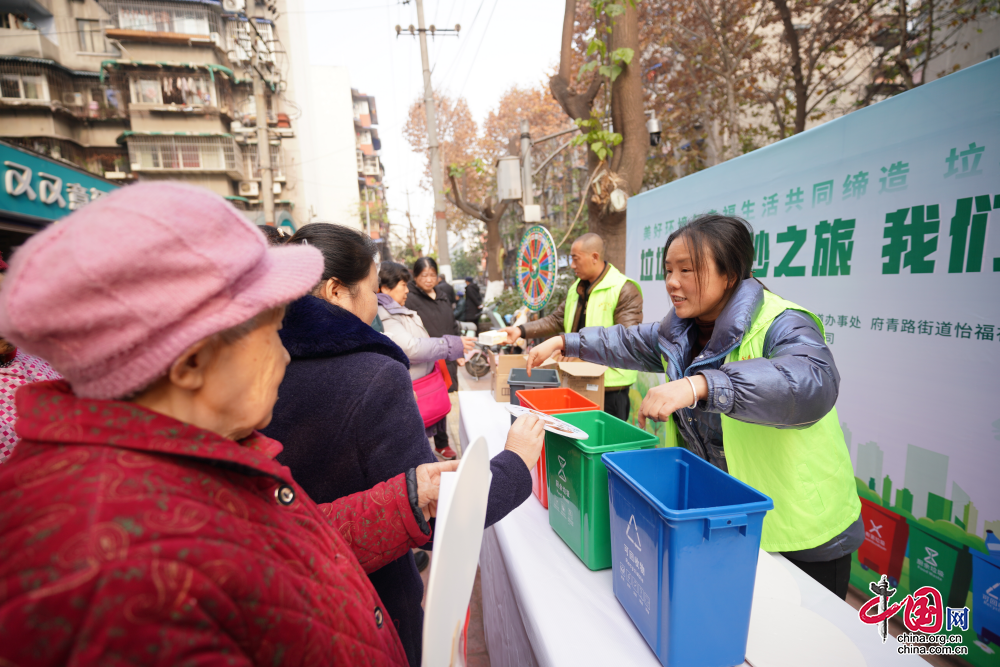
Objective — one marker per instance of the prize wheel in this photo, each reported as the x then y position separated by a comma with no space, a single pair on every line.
536,267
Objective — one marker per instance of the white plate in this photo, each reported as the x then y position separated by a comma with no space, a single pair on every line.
550,423
458,536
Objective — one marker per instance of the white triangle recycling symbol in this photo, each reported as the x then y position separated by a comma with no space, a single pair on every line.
633,529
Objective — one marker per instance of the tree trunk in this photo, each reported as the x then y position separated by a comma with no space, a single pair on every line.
493,270
901,58
629,160
930,40
795,58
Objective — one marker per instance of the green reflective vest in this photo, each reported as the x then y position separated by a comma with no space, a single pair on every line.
806,472
601,313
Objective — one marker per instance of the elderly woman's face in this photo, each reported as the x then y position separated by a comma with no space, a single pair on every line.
427,280
241,383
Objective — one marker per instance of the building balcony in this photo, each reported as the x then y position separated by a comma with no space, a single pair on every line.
28,83
182,153
28,43
162,20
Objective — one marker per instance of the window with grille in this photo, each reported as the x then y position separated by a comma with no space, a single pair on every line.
156,17
24,87
252,167
184,153
91,35
361,161
172,89
240,36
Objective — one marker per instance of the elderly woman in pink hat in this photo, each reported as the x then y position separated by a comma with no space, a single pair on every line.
144,518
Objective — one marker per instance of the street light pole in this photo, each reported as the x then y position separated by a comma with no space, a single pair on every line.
437,180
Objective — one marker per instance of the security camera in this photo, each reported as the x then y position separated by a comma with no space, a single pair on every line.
653,127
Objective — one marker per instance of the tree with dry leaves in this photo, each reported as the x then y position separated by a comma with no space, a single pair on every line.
910,35
501,137
458,141
701,62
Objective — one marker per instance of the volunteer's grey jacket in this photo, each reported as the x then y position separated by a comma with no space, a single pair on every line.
405,328
793,385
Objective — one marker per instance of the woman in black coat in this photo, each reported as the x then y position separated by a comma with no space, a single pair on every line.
431,303
347,416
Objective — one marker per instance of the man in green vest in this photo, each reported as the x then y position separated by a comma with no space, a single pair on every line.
601,297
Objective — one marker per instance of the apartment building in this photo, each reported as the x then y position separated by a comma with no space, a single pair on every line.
153,89
371,189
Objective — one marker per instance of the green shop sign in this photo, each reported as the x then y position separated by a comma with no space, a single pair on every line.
37,189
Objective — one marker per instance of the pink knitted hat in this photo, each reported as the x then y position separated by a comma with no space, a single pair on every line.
115,292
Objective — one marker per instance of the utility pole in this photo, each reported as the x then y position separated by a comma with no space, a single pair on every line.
263,142
527,191
441,225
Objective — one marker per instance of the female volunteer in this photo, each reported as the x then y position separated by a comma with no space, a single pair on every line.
751,388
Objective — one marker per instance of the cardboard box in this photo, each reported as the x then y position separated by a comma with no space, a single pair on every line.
583,377
501,365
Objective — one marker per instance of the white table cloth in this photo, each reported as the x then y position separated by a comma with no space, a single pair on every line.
542,606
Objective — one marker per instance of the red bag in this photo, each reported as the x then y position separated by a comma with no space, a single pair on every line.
432,397
443,367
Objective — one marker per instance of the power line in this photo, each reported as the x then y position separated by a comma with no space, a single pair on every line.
473,63
472,25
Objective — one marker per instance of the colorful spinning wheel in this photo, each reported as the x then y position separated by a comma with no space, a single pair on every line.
536,267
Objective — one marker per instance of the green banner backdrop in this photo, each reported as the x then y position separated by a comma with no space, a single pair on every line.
883,223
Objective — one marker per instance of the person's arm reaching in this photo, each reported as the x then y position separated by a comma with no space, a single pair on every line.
547,326
380,524
628,312
793,385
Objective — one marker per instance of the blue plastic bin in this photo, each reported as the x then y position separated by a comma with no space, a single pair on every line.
986,597
684,543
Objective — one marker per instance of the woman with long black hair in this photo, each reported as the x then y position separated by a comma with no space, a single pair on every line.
751,387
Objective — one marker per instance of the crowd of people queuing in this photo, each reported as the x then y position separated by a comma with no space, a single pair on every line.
221,460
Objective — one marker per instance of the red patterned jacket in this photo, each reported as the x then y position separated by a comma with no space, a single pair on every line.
129,538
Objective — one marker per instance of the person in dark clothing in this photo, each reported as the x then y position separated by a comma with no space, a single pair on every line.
473,301
347,415
448,290
431,303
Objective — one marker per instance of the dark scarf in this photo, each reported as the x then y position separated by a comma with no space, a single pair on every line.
313,329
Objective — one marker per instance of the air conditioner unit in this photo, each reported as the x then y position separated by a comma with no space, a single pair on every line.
249,189
277,188
234,6
216,39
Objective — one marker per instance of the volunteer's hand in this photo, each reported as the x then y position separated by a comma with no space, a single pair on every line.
460,361
468,343
666,399
525,438
513,333
429,484
541,352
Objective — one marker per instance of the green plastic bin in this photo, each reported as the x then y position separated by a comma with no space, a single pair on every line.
578,481
939,561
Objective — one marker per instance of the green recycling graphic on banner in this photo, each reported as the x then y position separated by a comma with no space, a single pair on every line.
884,224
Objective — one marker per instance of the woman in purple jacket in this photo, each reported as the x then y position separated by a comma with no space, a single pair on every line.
347,416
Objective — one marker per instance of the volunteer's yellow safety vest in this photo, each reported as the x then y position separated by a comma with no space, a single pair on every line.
806,472
601,313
